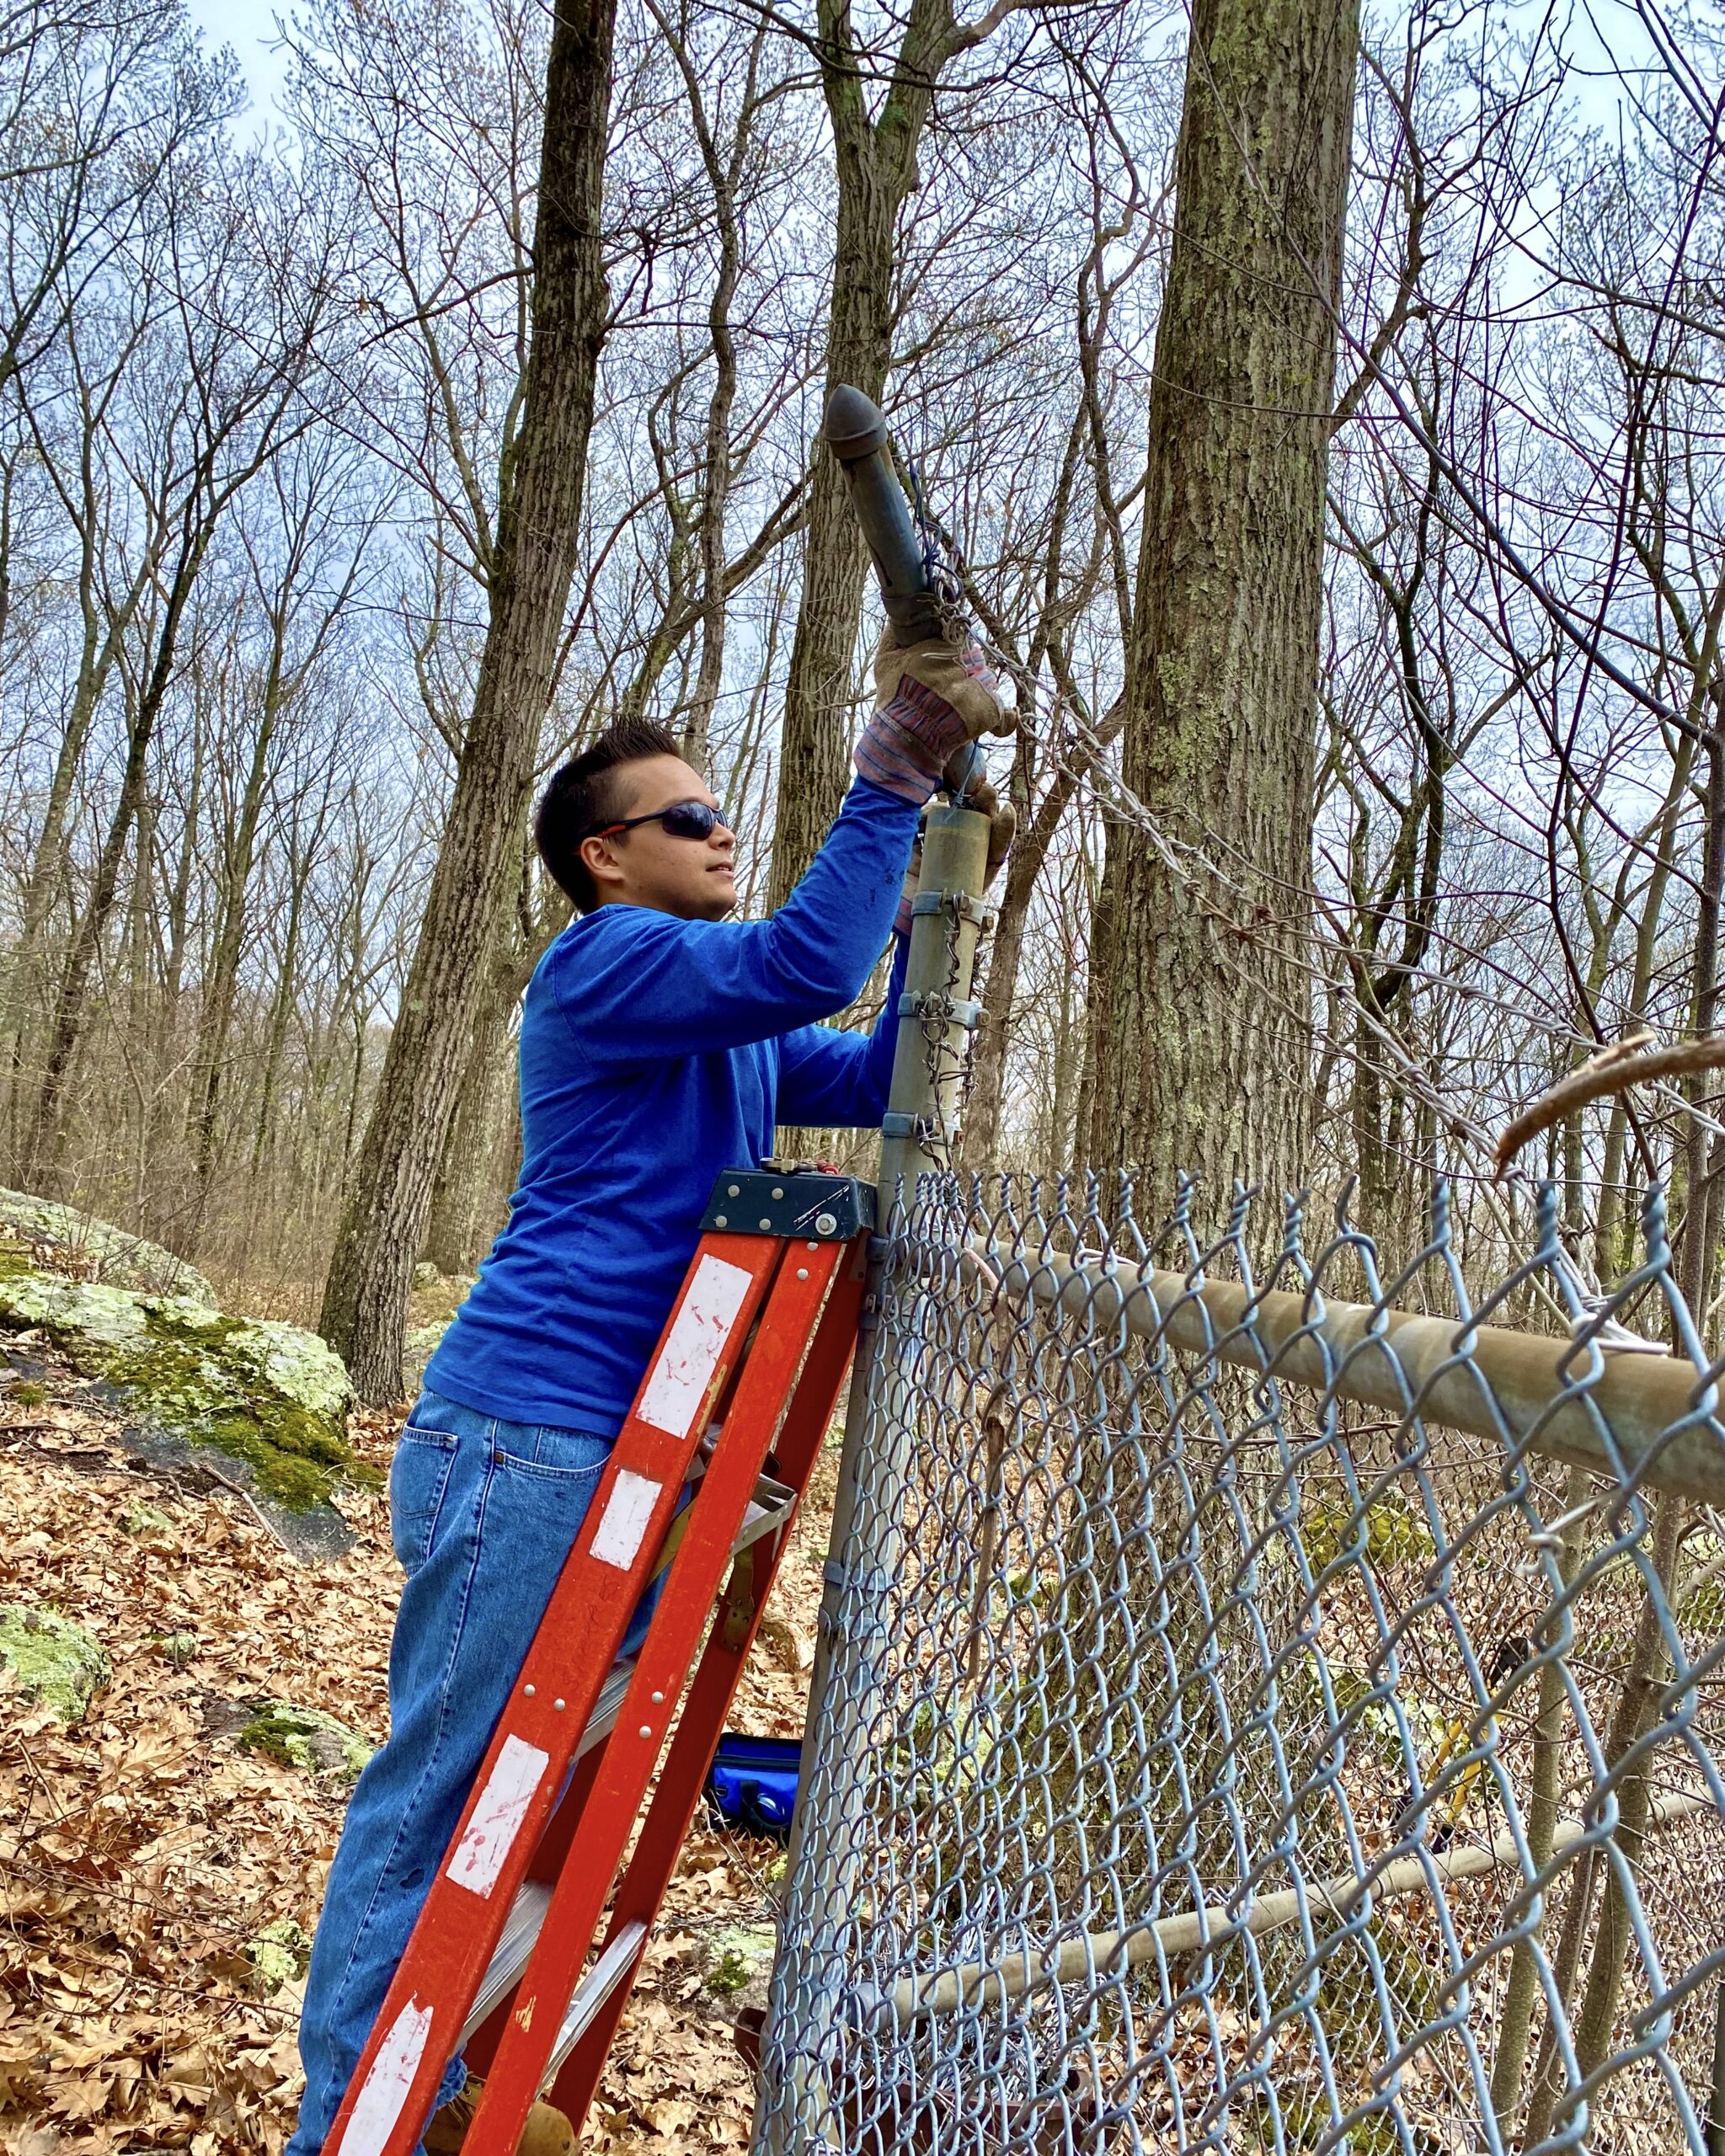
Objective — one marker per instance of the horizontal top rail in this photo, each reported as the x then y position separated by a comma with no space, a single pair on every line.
1571,1398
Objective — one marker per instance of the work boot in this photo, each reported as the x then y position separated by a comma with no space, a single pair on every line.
548,2133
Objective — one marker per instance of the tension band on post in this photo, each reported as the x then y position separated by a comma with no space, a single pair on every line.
959,903
893,1124
936,1004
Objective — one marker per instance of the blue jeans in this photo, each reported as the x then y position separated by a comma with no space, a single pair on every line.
482,1513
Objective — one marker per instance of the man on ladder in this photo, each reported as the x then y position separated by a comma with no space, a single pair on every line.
660,1043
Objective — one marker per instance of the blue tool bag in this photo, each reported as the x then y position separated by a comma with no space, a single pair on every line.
752,1783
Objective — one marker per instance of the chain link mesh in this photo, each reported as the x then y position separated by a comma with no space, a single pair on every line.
1272,1706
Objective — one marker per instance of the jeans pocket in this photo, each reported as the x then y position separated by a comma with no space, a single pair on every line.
546,1455
419,1476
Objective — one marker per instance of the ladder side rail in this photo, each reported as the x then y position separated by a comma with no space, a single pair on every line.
479,2046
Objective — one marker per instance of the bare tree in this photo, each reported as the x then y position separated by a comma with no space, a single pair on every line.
232,357
877,105
532,568
1201,1040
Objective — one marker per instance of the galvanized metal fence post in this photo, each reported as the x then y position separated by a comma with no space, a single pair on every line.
935,1020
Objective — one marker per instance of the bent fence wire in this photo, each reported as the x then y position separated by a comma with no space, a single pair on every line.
1273,1706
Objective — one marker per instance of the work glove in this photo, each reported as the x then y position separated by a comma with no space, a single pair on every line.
932,698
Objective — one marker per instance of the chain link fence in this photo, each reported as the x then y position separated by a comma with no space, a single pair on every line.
1272,1706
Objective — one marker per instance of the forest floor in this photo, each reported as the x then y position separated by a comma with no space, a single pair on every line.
143,1851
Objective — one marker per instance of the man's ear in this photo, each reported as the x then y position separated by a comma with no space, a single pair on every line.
599,859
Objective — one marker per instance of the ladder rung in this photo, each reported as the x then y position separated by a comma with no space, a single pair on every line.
608,1705
767,1509
521,1927
600,1981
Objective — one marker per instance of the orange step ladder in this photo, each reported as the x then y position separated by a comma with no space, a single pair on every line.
756,1350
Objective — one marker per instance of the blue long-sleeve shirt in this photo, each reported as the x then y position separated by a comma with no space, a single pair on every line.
655,1054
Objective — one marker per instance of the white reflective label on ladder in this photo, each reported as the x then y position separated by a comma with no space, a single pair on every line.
676,1390
626,1512
497,1816
379,2104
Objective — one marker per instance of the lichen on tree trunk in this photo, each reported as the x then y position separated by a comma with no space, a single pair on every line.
1201,1048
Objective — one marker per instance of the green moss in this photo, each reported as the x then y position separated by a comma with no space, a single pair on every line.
185,1375
53,1660
1703,1610
179,1648
1390,1532
306,1738
741,1953
148,1524
28,1396
263,1392
279,1954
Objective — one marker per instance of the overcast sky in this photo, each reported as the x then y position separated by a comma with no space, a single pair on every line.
1597,33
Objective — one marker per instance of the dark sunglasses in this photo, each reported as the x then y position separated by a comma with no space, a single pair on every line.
683,819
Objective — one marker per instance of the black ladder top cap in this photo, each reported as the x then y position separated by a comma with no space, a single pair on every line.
793,1203
855,426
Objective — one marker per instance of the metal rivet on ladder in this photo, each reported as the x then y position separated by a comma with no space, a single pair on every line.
777,1192
659,1699
802,1272
826,1222
720,1221
558,1704
767,1227
645,1731
733,1190
530,1689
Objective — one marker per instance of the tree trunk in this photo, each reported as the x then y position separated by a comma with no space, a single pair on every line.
46,1148
50,876
463,1217
215,1009
815,747
1024,866
538,529
1202,1041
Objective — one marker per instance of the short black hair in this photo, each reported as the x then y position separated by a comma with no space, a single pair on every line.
584,795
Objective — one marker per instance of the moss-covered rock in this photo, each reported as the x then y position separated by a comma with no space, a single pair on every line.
53,1660
435,1299
279,1954
103,1253
149,1525
308,1738
418,1347
263,1391
740,1957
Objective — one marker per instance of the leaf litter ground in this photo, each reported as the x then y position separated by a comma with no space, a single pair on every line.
145,1852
